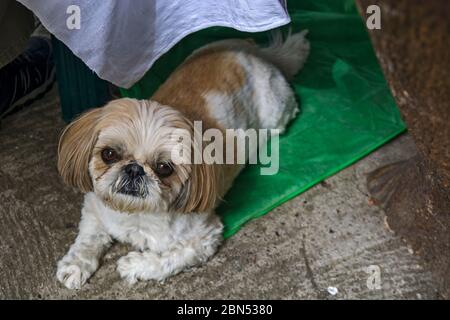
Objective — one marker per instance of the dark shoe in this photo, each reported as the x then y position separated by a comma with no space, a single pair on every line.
28,77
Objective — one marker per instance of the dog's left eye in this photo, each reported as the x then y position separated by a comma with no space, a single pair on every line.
163,169
109,155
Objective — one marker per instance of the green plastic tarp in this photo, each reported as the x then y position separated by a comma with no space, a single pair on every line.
347,110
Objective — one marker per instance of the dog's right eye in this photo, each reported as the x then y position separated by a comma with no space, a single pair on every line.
163,169
109,155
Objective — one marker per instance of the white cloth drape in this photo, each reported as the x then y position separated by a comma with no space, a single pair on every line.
121,39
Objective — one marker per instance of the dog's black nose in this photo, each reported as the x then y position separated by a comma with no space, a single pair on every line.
134,170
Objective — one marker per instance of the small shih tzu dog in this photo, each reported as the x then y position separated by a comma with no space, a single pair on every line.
120,156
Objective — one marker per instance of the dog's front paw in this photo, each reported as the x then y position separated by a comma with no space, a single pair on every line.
140,266
73,274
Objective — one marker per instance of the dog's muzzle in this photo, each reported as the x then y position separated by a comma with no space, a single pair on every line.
133,182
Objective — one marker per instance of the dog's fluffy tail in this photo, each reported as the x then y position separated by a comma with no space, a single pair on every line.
287,54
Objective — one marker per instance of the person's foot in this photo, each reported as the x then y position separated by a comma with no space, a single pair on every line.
28,77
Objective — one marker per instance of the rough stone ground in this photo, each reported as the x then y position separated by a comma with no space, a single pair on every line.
325,237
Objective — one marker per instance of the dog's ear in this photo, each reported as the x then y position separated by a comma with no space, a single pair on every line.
199,194
200,191
75,149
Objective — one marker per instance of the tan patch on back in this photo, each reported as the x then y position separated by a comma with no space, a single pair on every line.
208,70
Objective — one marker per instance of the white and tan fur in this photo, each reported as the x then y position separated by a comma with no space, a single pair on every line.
171,224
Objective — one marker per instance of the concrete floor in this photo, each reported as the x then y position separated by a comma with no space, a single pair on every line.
326,237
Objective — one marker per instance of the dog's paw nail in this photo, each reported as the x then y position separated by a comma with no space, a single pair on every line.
71,276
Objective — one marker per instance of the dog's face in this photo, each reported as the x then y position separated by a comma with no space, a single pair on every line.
123,152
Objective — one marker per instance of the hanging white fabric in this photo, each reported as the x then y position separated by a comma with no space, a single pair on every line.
121,39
